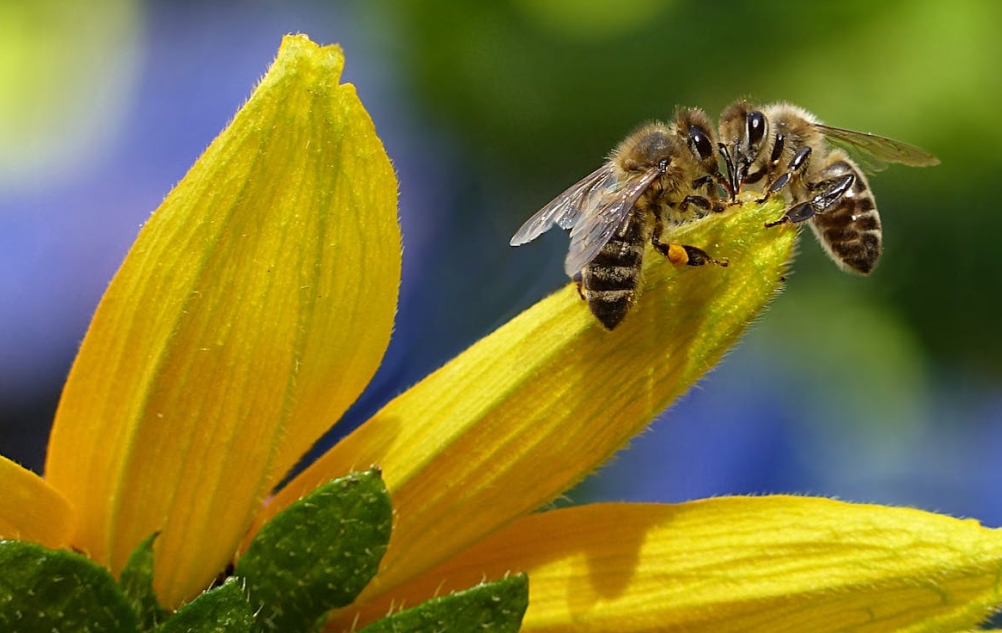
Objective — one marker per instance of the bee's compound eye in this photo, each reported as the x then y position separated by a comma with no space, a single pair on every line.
756,127
700,142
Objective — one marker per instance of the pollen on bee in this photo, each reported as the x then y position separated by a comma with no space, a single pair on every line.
677,255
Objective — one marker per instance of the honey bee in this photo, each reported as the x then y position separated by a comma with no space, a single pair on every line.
788,148
660,176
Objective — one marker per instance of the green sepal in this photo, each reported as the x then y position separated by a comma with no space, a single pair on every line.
221,610
493,607
136,581
318,553
48,590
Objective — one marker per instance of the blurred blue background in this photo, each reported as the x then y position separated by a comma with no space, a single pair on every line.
884,389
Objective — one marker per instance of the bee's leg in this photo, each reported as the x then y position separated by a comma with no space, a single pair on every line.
695,256
828,193
685,255
710,182
698,201
579,282
680,254
703,203
659,228
777,153
753,177
704,181
794,215
768,171
797,166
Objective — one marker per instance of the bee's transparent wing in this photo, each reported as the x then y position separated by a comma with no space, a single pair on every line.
606,207
881,148
866,161
566,209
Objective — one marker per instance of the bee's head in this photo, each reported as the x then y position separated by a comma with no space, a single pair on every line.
694,127
743,131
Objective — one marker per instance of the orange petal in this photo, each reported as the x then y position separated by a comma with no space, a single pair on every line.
252,310
32,510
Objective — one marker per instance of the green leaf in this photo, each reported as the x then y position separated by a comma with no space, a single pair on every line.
494,607
136,581
222,610
318,553
50,591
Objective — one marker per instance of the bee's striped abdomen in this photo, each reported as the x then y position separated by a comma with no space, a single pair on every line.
611,281
850,230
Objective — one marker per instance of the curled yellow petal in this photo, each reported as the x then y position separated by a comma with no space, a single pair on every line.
31,509
252,310
533,408
768,564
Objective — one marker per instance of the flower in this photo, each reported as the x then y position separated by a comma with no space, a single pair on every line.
257,303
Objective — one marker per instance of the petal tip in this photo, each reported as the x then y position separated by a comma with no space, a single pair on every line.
299,48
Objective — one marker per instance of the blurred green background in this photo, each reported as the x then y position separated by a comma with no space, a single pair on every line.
879,389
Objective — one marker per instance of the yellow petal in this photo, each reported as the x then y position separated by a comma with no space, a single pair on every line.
252,310
31,509
768,564
530,410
